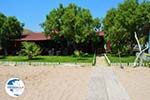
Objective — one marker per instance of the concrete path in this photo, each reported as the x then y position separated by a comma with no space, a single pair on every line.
97,86
100,61
104,84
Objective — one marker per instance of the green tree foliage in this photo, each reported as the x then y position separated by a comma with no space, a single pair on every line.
120,24
30,49
74,23
2,20
10,28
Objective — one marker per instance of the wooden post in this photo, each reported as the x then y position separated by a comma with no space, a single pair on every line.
149,42
0,45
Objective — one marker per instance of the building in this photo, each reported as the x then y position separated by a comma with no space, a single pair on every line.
46,44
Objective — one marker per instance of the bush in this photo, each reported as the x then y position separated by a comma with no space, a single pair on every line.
123,50
78,53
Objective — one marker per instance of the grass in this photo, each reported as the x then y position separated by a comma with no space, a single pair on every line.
61,59
124,59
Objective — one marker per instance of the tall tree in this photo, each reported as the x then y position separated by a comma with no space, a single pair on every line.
74,23
120,24
10,28
2,20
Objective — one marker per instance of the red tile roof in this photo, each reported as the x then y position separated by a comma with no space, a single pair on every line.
41,36
33,37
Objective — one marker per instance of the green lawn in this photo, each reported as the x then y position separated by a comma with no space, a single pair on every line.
125,59
87,59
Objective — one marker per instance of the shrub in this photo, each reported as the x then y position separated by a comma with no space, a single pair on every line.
78,53
30,49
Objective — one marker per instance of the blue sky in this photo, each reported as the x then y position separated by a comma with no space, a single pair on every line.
33,12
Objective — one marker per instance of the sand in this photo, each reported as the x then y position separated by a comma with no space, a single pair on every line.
70,83
47,83
136,81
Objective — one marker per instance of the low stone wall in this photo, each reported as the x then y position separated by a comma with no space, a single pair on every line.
12,63
124,64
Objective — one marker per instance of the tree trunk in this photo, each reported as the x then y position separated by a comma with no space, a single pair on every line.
5,52
29,57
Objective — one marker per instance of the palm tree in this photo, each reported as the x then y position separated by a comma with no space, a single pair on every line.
30,49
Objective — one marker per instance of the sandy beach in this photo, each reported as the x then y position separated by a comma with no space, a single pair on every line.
136,81
70,83
47,83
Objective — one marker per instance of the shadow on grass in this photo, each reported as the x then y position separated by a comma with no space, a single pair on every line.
82,57
36,58
2,57
27,60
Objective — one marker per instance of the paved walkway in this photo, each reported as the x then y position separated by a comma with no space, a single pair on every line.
104,84
100,61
